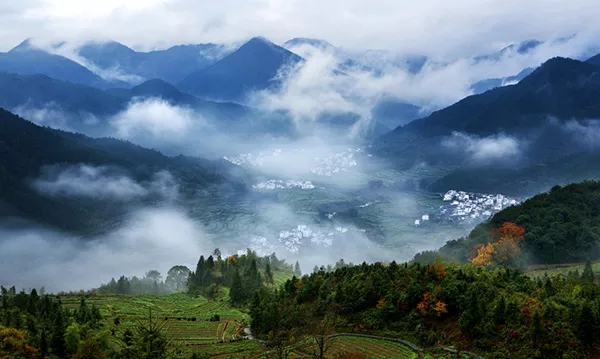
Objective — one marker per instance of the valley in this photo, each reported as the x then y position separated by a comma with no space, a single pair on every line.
179,181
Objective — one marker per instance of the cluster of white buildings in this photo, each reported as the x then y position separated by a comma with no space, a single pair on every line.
279,184
339,162
292,240
463,206
253,160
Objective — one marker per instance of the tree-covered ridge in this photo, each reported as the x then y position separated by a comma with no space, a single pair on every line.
242,275
500,313
561,226
27,149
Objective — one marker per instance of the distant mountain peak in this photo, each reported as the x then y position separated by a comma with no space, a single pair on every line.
25,45
560,70
109,46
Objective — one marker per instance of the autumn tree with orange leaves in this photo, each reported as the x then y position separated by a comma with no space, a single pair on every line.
502,248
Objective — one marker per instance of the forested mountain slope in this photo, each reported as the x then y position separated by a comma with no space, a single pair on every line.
28,151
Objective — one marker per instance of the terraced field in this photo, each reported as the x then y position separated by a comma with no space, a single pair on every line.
372,348
187,320
563,269
189,327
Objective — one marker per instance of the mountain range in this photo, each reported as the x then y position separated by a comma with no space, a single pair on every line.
533,123
540,120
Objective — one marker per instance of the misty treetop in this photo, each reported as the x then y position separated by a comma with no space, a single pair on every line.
242,274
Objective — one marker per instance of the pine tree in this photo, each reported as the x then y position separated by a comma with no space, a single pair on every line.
587,324
268,273
500,311
297,271
588,272
57,340
199,274
537,329
236,294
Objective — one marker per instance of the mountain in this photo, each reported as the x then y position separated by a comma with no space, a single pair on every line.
393,113
252,67
562,88
26,59
488,84
521,48
76,103
27,150
595,60
171,65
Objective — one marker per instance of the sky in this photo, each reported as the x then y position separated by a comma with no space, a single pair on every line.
430,27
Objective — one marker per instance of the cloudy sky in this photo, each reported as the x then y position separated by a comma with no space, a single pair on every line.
432,26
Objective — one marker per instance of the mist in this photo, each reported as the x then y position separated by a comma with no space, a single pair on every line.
36,257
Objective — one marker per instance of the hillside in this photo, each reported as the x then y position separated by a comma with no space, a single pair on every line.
28,149
252,67
77,103
512,131
562,88
26,59
561,226
171,65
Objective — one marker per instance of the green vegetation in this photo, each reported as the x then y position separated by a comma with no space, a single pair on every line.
561,226
499,313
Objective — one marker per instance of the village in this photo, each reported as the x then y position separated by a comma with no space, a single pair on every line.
325,166
466,208
294,239
280,184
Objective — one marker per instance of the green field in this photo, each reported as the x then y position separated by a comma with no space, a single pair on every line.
562,269
189,328
187,320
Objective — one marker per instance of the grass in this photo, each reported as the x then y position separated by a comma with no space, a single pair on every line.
188,327
562,269
372,348
187,319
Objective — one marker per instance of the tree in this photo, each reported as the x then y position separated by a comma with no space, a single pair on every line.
320,336
280,343
217,253
297,271
586,326
236,294
588,272
503,247
268,273
149,341
177,278
89,349
13,345
154,275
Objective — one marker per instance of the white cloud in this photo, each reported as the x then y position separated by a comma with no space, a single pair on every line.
430,27
101,182
151,239
483,149
586,133
52,115
156,117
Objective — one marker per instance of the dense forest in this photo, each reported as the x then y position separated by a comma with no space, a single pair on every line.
500,313
560,226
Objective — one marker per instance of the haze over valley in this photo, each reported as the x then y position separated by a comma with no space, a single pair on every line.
243,139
